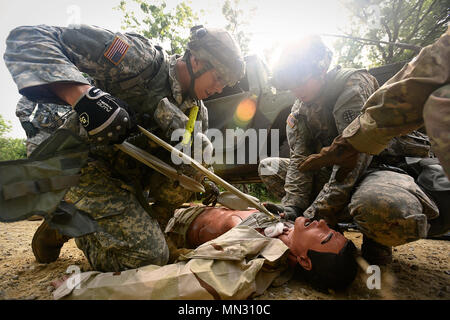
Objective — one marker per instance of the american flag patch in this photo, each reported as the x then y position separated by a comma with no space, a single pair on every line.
291,120
116,50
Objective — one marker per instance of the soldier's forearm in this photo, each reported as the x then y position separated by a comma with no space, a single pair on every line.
336,195
70,92
397,107
298,186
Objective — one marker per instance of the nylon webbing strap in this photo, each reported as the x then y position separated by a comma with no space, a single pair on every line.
193,75
190,126
23,188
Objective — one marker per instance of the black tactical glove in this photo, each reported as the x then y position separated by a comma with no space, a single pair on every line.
30,129
292,212
286,212
211,193
274,208
107,119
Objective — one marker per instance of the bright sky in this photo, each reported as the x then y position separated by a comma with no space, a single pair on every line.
273,22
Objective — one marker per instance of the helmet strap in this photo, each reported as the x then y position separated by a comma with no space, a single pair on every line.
192,75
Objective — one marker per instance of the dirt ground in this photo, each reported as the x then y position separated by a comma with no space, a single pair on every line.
420,270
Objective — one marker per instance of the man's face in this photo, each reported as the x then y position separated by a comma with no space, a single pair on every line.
312,235
309,90
208,83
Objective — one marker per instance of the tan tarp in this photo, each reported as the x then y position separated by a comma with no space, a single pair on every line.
236,265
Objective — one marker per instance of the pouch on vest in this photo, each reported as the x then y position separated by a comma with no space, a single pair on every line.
169,117
36,186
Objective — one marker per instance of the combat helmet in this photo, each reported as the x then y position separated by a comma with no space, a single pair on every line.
219,50
300,61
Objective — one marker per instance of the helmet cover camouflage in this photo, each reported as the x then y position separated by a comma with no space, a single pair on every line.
300,61
218,47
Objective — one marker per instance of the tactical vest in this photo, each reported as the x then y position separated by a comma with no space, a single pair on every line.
144,91
414,144
323,128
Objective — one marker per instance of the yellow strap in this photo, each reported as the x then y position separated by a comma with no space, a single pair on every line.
190,126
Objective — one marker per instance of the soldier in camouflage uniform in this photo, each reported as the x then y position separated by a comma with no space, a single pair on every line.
327,102
417,95
133,76
47,118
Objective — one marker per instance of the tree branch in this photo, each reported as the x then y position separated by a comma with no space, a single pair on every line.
410,12
386,27
383,53
417,26
436,26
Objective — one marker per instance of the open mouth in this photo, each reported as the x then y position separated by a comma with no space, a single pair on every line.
307,223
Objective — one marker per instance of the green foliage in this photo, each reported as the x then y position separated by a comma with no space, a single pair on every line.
10,148
238,20
157,22
414,22
258,190
4,126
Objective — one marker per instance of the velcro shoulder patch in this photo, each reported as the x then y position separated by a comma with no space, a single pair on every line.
117,50
291,120
348,116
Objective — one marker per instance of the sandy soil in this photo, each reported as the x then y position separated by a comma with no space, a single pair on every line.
420,270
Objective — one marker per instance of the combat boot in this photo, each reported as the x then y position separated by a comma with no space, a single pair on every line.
47,243
375,253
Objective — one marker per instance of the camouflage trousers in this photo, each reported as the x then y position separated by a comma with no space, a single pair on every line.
388,207
128,237
167,195
436,115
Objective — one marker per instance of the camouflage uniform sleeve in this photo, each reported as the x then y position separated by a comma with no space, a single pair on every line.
24,109
335,195
397,107
298,185
358,88
35,57
39,55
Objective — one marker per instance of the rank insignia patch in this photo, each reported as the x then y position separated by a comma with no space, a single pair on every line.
291,120
116,51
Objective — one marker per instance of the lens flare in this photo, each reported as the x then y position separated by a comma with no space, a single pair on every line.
245,111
